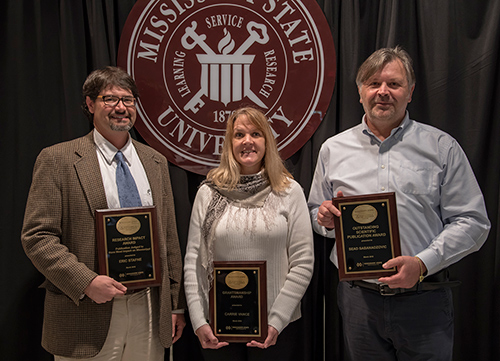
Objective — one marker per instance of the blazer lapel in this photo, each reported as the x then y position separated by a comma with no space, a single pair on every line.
151,163
89,174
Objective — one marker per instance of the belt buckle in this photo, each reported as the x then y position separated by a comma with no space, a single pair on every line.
385,290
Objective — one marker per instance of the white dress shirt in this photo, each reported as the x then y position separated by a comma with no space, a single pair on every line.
107,163
441,211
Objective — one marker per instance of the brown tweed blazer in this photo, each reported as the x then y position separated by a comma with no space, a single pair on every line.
58,236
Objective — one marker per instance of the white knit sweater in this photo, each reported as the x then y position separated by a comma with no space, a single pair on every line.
286,243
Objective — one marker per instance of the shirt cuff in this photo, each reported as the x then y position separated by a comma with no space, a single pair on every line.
430,261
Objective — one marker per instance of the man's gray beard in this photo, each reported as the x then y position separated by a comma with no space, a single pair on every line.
121,128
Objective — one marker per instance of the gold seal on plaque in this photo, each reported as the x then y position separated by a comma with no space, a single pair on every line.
364,214
237,280
128,225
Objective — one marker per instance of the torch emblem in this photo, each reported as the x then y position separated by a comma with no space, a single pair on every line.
225,77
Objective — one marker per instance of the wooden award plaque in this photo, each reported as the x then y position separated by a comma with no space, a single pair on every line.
367,235
127,246
238,301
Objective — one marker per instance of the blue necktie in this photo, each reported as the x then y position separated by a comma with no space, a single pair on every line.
127,189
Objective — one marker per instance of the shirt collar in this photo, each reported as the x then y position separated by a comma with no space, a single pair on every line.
396,133
108,150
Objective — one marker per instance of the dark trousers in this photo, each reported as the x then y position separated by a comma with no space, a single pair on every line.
289,347
417,326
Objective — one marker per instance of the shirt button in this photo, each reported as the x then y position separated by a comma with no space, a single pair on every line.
383,166
382,189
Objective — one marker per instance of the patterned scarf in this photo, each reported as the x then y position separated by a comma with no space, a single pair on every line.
250,192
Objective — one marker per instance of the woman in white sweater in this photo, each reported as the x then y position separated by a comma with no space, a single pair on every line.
250,209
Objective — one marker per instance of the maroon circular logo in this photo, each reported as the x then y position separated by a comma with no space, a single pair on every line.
196,61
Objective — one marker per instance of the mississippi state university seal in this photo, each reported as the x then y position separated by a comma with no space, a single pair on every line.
196,61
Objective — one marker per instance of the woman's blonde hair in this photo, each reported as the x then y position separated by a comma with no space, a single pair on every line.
227,175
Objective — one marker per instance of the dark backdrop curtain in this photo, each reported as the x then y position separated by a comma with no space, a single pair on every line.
49,47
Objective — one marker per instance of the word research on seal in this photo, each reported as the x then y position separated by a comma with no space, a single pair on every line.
196,61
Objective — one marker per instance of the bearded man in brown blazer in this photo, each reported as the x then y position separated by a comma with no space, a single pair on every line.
88,315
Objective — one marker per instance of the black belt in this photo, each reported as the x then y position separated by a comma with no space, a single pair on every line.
430,283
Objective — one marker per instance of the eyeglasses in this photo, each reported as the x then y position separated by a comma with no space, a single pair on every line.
113,101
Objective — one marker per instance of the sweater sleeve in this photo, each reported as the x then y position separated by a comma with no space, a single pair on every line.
193,271
300,260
